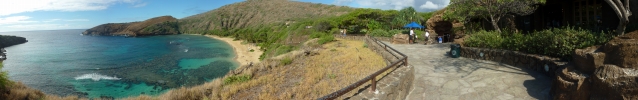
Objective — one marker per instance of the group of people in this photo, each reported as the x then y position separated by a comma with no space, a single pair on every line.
413,36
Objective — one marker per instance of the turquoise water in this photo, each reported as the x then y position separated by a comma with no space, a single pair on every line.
197,63
63,62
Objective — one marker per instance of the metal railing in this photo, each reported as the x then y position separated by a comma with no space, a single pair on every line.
371,77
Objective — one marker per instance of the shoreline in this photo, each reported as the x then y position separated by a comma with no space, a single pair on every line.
242,54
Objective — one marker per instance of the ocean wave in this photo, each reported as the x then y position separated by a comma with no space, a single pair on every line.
96,77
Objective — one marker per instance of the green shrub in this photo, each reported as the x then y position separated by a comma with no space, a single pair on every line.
380,33
561,42
284,49
317,35
515,42
419,33
4,78
485,39
286,61
236,79
557,42
326,38
323,37
365,45
396,32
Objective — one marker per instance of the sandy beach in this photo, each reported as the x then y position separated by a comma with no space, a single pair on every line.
244,56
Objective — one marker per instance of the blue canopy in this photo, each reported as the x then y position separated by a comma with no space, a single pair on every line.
413,25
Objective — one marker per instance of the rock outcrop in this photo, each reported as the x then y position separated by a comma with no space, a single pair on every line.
400,39
608,72
442,27
6,41
163,25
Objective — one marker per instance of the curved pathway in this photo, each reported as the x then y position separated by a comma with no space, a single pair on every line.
440,77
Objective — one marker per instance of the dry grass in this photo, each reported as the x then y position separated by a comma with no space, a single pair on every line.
337,65
19,91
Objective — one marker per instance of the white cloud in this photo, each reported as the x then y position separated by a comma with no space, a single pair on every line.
20,6
67,20
140,5
419,5
51,20
76,20
39,26
15,20
429,5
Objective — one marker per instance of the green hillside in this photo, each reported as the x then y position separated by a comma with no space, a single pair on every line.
252,13
275,25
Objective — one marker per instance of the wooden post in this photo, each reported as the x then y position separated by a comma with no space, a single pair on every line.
405,62
374,85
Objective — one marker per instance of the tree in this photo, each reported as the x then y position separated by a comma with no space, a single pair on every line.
490,10
405,16
426,16
365,19
623,13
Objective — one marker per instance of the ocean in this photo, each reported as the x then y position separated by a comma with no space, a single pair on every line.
64,62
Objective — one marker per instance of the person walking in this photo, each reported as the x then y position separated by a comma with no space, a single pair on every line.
411,36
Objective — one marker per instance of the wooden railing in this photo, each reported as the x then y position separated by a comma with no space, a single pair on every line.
371,78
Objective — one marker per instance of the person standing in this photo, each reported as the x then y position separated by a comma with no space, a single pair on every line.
427,36
411,36
345,32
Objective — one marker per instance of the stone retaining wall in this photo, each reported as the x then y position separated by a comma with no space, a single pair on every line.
515,58
394,86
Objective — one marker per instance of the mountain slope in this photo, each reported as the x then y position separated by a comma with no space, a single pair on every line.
154,26
257,12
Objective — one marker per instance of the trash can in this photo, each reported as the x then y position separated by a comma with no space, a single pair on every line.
455,50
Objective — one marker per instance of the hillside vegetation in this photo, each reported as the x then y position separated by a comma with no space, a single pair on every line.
252,13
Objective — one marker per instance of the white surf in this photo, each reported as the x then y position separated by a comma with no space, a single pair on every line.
96,77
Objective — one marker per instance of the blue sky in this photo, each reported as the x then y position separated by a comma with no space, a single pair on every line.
26,15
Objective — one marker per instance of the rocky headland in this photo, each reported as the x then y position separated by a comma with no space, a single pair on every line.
6,41
163,25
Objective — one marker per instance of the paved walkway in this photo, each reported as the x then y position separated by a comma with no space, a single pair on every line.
440,77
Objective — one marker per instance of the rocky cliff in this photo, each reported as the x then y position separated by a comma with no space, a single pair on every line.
607,72
6,41
163,25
